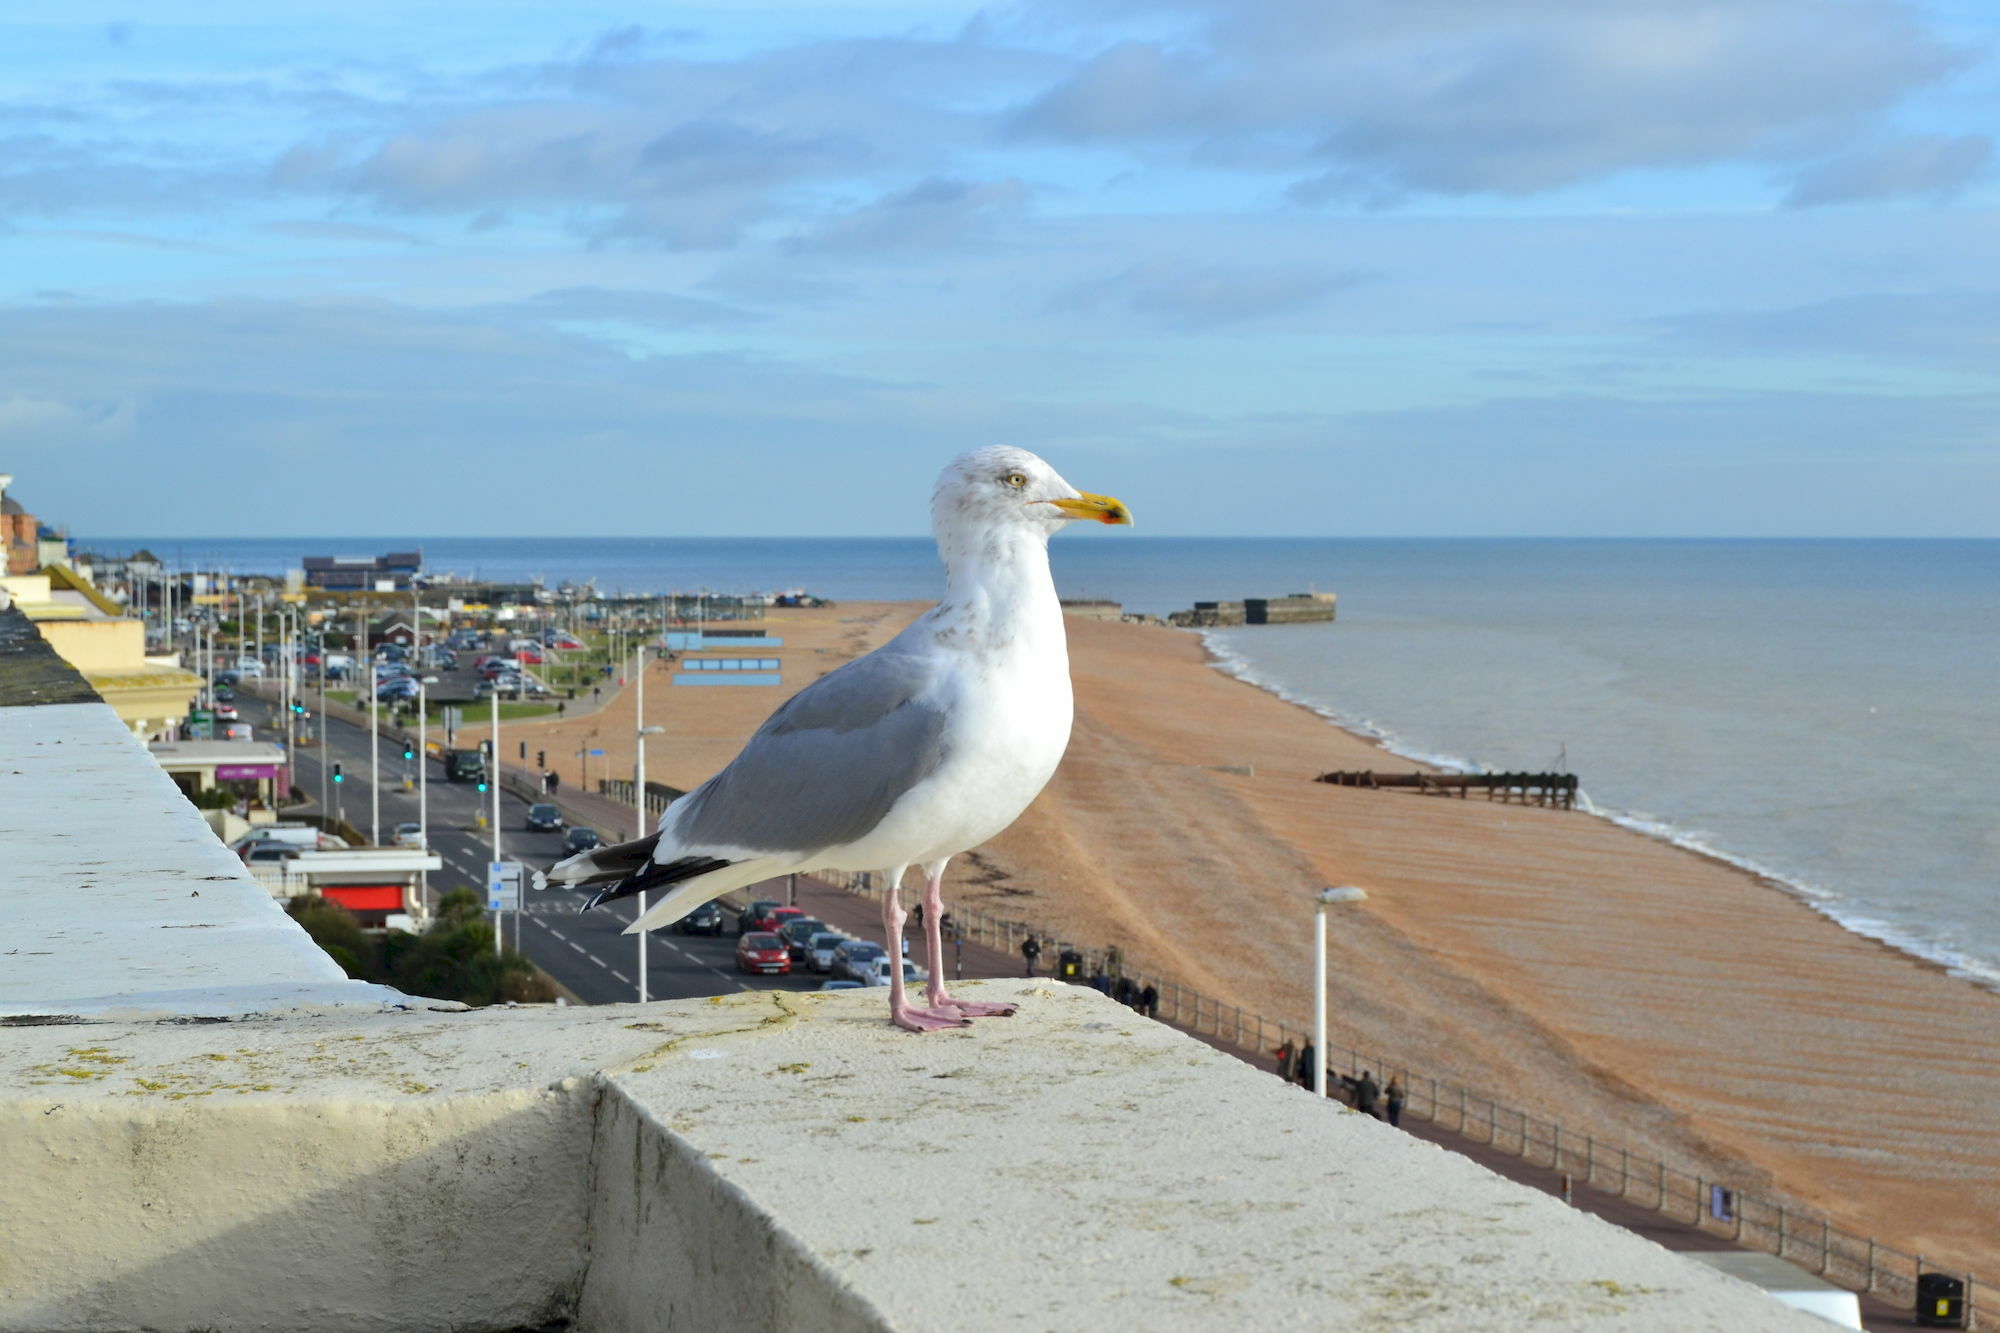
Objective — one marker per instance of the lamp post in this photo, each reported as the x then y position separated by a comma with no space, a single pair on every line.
374,752
1321,901
423,786
639,790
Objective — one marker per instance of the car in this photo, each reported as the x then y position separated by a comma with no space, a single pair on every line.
529,656
797,933
544,818
703,920
851,958
226,678
409,833
840,983
761,951
756,915
778,916
268,853
819,949
878,972
223,694
579,839
226,712
239,731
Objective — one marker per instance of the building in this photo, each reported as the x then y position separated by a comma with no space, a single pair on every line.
92,633
20,534
395,572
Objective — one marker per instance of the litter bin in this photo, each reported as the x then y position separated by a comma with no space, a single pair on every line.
1940,1301
1069,965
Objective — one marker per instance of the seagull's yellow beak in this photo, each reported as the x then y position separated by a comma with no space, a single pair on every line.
1100,507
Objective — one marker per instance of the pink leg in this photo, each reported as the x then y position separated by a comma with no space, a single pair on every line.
934,991
901,1012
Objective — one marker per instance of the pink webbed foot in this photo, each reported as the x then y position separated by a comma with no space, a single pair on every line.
925,1020
976,1008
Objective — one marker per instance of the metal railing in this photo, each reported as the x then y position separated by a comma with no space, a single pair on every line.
1578,1157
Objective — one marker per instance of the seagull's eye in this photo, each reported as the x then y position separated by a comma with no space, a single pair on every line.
1016,479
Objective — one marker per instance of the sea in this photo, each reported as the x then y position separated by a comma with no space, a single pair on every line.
1822,712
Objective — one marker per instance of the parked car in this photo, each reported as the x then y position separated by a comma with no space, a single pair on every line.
528,656
761,951
579,839
797,934
819,949
878,972
840,983
756,915
268,853
544,818
851,958
703,920
409,833
778,916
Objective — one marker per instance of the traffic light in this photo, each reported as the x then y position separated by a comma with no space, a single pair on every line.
541,759
482,786
409,752
337,776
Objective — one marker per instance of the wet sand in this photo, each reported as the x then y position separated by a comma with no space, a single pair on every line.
1657,998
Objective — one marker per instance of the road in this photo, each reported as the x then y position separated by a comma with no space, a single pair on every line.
587,953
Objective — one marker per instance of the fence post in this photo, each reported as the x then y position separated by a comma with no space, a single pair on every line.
1825,1245
1660,1205
1736,1208
1461,1110
1177,1002
1871,1266
1624,1171
1781,1232
1590,1159
1698,1209
1492,1121
1556,1145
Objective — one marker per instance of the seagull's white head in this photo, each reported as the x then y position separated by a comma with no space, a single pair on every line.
1002,487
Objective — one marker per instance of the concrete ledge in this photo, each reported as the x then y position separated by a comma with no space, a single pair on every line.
762,1161
116,899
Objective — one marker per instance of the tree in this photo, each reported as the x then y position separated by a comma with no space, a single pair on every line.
453,960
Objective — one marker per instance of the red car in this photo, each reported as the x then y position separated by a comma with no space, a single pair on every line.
761,951
775,919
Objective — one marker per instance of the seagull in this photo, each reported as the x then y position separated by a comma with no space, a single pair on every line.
908,756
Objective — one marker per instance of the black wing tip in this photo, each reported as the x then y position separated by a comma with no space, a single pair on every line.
657,876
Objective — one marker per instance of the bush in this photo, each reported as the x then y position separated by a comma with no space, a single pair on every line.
453,960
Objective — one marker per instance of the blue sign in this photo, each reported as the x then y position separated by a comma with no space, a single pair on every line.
597,754
728,678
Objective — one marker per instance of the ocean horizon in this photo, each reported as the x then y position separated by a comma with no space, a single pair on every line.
1816,710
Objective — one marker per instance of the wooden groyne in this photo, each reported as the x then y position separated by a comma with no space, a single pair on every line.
1299,608
1550,789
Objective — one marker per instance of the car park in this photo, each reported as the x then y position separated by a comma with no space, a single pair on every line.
756,915
544,818
703,920
409,833
579,839
819,949
797,934
878,972
761,951
851,958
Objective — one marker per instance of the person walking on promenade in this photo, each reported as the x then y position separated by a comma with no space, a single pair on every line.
1149,1001
1302,1074
1367,1093
1393,1095
1114,966
1286,1055
1031,949
555,781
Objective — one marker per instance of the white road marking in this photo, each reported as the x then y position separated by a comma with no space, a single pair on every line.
578,947
621,976
557,933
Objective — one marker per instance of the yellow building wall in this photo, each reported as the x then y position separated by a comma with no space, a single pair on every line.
98,645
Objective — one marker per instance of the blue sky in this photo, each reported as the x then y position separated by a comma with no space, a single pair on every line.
1340,267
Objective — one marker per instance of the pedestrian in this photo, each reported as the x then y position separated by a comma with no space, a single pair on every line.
1149,1001
594,692
1286,1054
1113,964
1031,949
555,781
1121,991
1100,981
1366,1093
1393,1094
1302,1071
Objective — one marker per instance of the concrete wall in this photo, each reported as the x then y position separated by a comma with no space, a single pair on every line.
98,645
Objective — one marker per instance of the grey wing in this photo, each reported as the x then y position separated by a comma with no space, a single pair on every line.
824,770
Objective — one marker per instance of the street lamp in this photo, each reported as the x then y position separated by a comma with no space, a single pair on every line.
639,788
423,784
1321,901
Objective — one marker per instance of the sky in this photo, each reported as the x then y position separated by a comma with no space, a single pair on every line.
1286,267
